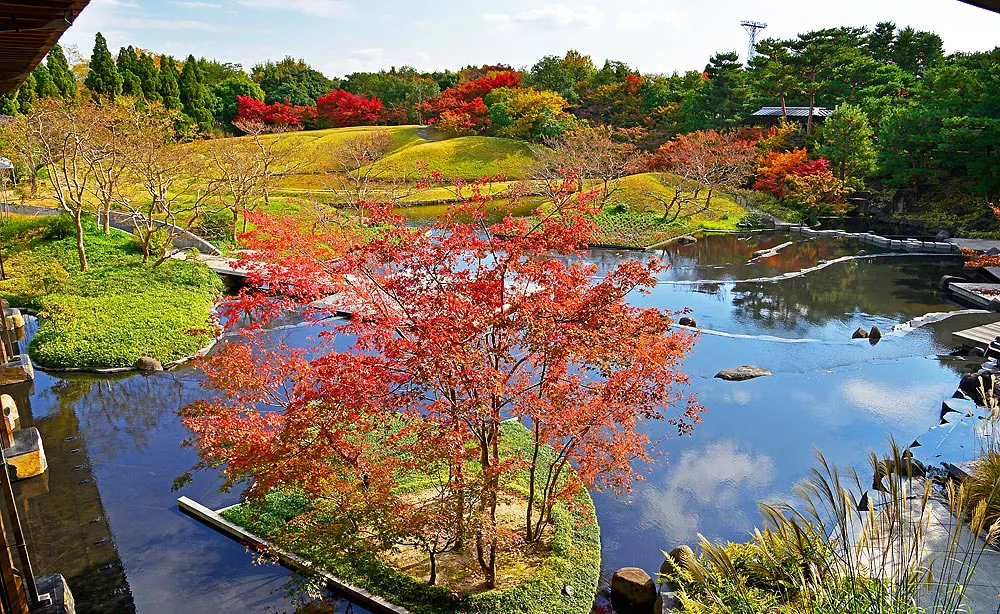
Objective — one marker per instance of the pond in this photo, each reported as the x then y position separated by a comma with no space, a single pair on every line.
107,520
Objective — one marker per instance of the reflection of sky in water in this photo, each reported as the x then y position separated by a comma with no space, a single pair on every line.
842,396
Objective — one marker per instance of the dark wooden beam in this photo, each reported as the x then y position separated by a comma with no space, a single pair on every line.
989,5
28,30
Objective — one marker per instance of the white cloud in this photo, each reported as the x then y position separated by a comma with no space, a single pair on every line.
318,8
654,16
197,5
151,23
552,15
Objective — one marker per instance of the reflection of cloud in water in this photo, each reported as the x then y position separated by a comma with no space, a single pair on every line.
897,405
705,488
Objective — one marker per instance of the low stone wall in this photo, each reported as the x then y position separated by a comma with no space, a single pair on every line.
183,239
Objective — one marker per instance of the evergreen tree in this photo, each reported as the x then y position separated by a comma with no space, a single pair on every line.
61,75
226,93
149,75
26,95
718,102
129,68
44,85
104,77
169,90
879,41
196,100
8,104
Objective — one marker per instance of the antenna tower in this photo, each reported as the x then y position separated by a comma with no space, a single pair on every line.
753,28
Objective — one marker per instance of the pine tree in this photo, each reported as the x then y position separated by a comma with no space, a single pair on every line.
104,78
61,75
45,87
169,90
195,97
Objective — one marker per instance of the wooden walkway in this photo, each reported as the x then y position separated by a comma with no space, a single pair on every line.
980,336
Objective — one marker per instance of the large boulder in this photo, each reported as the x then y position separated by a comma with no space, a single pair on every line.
633,586
875,335
861,333
740,374
148,365
686,321
680,557
942,236
686,240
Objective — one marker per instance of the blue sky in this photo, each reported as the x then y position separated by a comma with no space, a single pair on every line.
341,36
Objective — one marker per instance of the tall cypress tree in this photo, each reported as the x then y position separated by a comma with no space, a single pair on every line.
195,97
44,85
104,78
129,67
169,91
61,74
149,75
26,95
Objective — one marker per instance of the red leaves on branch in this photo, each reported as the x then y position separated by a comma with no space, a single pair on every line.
456,329
278,114
341,108
777,167
461,109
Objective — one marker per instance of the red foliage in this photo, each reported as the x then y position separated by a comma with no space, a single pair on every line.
341,108
462,107
455,331
777,167
277,114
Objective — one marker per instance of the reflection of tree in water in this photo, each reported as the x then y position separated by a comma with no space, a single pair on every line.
896,288
120,413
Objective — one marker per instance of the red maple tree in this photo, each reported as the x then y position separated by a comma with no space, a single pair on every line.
461,109
279,114
454,330
341,108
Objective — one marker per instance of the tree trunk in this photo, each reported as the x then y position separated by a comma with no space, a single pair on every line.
81,251
784,109
708,201
812,108
433,578
107,219
528,533
236,223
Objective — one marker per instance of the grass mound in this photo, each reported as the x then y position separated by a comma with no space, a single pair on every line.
467,157
634,213
574,558
113,314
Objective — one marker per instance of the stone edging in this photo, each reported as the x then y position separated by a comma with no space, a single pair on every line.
356,594
909,245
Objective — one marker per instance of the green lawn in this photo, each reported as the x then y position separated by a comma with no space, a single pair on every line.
633,217
575,557
115,313
467,157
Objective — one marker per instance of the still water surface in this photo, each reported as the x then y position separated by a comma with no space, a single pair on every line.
108,521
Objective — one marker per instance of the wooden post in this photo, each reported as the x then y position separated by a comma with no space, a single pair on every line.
27,591
12,594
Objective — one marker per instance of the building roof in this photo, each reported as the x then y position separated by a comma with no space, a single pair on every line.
792,112
989,5
28,30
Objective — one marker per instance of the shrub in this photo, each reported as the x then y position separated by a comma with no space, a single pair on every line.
30,277
984,484
59,227
214,225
